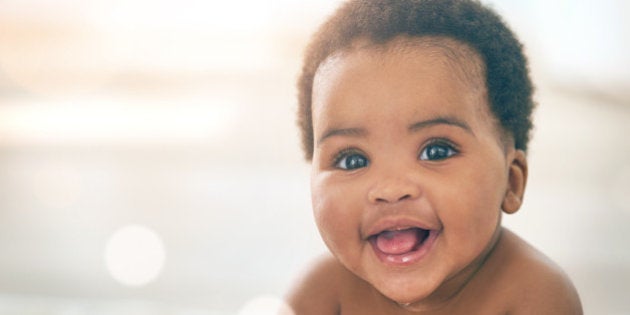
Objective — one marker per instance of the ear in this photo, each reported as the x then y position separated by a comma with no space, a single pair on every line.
517,179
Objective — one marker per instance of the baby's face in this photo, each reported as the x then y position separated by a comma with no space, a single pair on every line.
409,171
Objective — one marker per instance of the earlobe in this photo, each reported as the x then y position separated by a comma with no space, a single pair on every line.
517,179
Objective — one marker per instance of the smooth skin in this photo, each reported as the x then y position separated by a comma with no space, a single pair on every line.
404,136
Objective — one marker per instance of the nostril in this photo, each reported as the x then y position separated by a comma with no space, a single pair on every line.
387,200
393,192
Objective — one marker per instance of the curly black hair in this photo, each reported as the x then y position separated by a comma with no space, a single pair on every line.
468,21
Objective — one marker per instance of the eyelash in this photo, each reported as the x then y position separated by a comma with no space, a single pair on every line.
450,150
345,153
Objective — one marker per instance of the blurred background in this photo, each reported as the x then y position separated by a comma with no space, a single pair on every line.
150,164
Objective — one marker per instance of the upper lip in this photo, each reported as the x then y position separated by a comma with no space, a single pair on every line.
397,224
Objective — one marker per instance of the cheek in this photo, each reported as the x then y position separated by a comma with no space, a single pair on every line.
337,213
474,204
335,217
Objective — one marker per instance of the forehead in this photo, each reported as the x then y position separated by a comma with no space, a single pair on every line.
463,61
402,81
405,62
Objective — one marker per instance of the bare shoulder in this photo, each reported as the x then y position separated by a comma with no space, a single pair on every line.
536,285
318,290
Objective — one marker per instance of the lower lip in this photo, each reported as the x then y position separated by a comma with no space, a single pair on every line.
410,257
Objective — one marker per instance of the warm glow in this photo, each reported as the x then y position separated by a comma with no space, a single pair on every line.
115,122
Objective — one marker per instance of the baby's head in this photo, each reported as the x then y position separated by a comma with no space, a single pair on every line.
378,22
416,116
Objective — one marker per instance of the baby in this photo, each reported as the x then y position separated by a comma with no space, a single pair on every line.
416,117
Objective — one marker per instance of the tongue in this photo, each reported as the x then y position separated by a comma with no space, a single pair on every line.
397,242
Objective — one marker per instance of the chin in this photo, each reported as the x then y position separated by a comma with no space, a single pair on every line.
404,293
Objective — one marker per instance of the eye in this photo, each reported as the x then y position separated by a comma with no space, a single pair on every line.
350,161
436,151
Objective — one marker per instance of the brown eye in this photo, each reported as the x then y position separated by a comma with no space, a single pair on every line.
437,151
351,161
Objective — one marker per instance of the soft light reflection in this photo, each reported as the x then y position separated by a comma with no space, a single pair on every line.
266,305
190,14
52,59
134,255
186,36
115,122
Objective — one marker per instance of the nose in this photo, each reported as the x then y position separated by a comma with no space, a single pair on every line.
393,189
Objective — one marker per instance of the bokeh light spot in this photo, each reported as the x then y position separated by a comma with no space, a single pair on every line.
134,255
266,305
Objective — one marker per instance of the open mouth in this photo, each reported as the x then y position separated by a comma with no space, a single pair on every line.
402,246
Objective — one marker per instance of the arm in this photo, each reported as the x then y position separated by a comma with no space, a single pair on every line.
316,293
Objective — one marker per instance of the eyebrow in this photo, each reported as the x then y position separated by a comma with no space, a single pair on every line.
354,132
442,120
360,132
